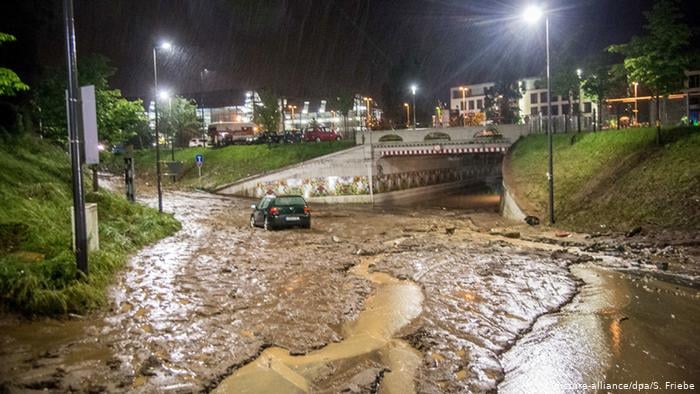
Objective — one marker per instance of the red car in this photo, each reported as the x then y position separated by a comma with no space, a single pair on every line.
321,133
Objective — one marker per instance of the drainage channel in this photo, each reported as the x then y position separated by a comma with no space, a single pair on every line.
394,304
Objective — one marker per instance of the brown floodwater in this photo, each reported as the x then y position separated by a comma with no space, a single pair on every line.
389,300
393,305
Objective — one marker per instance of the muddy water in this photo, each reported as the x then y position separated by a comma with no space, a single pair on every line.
392,306
219,298
621,328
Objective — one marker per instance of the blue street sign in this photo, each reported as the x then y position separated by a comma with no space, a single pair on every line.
199,159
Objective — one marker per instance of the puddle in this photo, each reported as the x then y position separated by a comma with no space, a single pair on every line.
393,305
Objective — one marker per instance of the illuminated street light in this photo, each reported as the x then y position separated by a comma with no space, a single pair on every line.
408,114
532,15
413,91
579,73
166,46
464,102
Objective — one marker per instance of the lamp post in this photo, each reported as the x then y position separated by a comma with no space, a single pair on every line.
413,91
636,111
531,15
408,114
368,117
165,46
201,100
292,108
579,73
464,102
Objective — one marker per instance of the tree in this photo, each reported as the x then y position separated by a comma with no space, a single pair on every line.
178,120
344,105
565,82
10,83
501,101
118,119
659,58
267,117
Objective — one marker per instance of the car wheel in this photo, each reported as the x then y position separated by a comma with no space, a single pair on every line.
318,139
252,221
266,225
308,225
337,138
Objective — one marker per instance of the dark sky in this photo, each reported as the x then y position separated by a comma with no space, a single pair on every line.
314,48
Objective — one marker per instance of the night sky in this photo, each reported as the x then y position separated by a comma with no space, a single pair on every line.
314,48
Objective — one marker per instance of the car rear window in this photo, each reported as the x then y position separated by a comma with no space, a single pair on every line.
292,200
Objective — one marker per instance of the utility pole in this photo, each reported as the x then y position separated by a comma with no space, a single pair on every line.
74,124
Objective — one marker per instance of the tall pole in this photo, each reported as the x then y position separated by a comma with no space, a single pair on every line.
464,104
408,114
74,107
155,106
549,128
414,107
201,102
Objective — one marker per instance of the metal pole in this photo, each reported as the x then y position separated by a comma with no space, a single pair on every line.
155,105
74,107
549,129
371,165
414,110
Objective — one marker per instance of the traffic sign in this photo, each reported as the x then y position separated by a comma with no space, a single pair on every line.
199,159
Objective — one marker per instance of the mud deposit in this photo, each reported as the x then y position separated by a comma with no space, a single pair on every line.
367,300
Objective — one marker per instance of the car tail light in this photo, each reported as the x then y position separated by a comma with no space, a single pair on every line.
307,210
274,211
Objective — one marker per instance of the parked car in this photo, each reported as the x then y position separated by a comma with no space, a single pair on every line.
198,143
292,136
268,137
274,212
321,133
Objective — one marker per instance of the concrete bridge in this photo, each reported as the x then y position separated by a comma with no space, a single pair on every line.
419,165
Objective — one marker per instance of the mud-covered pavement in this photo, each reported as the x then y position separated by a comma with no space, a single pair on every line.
195,310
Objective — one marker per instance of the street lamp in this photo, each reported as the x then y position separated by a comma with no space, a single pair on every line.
579,73
368,117
413,91
166,46
292,108
464,102
532,15
408,114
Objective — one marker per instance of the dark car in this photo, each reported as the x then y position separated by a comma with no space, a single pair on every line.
321,133
274,212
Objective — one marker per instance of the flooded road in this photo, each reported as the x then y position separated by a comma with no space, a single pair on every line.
637,329
384,300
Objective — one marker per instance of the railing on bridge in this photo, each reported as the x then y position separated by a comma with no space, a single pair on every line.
442,147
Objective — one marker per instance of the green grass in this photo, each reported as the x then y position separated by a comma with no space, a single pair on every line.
226,165
35,197
614,179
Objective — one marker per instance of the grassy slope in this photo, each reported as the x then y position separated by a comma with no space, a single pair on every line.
615,178
35,201
226,165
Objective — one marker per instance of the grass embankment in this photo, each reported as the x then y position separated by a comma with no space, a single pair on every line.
226,165
613,179
37,266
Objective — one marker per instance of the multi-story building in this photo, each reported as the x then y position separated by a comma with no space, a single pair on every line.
533,104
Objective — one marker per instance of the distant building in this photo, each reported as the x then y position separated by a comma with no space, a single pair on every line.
533,104
692,91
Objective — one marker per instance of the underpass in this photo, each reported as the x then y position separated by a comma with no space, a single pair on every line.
405,167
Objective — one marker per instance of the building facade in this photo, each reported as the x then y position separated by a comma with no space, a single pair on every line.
532,105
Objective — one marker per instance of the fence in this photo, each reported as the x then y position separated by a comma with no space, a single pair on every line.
560,123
